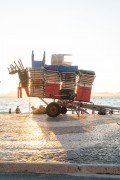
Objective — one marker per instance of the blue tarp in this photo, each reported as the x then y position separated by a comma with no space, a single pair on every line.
61,68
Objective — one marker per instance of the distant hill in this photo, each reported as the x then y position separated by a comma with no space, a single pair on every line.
118,94
105,94
12,94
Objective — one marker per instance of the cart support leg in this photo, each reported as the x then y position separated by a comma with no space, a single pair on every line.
43,101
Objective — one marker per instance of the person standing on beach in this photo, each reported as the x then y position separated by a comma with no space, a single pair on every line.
17,110
10,111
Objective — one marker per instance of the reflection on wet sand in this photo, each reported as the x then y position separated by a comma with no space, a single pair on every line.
24,140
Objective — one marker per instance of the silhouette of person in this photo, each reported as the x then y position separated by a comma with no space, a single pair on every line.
17,110
9,110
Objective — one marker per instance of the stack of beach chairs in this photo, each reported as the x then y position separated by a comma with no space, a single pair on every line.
84,85
44,83
52,83
68,80
52,76
86,79
37,80
68,84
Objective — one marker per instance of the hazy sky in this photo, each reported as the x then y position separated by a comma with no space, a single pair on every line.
87,29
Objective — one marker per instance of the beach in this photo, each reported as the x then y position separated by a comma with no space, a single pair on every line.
88,139
87,146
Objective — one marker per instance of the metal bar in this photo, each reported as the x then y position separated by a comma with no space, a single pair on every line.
43,101
98,107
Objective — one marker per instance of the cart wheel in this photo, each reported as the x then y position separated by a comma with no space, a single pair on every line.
53,109
63,110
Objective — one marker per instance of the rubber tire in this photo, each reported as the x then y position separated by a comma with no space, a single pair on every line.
53,109
63,110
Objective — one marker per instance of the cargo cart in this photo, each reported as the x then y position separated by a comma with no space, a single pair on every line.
68,86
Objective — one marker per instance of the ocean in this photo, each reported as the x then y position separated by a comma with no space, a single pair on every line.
26,102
